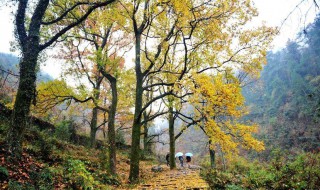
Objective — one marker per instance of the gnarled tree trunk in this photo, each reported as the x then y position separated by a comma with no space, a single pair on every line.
111,128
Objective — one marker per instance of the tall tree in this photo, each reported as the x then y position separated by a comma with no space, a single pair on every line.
205,28
93,50
141,15
30,35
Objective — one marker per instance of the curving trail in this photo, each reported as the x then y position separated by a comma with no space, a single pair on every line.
176,179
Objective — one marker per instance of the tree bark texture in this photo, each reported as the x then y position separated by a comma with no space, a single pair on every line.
94,119
172,139
29,45
146,143
111,128
212,156
93,127
136,127
21,110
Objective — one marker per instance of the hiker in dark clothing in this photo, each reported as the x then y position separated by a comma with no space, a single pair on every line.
181,160
168,159
188,158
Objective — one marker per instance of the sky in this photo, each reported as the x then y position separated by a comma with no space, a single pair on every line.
272,12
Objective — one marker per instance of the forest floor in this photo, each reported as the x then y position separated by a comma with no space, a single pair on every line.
51,163
181,178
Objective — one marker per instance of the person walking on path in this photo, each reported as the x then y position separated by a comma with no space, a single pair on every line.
188,158
181,160
168,159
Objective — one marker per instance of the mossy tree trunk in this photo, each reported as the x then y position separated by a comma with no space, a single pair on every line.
146,144
25,95
111,119
94,118
93,127
136,127
30,49
172,139
111,127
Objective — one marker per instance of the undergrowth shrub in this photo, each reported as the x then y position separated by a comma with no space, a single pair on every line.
106,178
103,157
15,185
77,175
64,130
45,145
43,179
40,143
3,173
283,172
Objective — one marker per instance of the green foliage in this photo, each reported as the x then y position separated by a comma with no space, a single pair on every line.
15,185
103,157
77,175
106,178
120,137
217,179
4,126
43,179
46,146
285,101
64,130
3,173
283,172
40,142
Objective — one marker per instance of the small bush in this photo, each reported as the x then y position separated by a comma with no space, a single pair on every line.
217,179
103,157
77,175
43,180
15,185
283,172
64,130
45,145
3,173
105,178
120,137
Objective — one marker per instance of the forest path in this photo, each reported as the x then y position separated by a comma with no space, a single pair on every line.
184,178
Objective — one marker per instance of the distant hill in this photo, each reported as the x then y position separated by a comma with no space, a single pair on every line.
286,100
9,62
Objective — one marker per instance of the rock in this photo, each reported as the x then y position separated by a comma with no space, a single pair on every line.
194,167
156,169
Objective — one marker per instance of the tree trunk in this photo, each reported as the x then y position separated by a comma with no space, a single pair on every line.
29,45
172,138
136,127
94,119
212,156
146,144
111,120
93,127
25,95
111,128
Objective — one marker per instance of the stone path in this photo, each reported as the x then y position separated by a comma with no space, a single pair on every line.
185,178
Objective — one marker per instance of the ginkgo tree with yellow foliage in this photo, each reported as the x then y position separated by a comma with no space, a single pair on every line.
218,105
32,22
94,52
205,36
